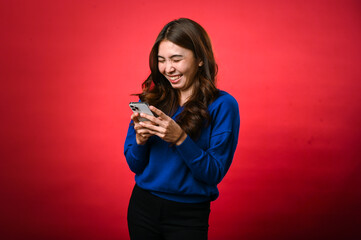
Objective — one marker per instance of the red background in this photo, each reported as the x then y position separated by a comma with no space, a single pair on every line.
68,69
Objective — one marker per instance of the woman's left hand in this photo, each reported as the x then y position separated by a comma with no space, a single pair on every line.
164,127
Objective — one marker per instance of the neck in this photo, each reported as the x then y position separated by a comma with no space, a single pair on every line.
185,95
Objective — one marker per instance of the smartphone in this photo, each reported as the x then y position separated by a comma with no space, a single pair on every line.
141,107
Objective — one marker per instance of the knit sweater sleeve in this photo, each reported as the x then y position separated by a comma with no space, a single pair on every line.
211,165
137,156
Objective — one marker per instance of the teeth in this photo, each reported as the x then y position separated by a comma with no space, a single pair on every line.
175,77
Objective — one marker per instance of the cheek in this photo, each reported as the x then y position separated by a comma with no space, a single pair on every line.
160,68
189,71
187,68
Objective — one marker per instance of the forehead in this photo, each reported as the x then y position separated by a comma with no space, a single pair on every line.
168,49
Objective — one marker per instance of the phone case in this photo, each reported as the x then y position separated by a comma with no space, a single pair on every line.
141,107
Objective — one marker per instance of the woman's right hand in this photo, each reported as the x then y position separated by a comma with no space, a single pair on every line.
142,133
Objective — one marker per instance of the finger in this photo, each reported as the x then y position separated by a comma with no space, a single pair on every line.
155,133
153,128
158,112
147,135
153,119
159,121
138,127
142,130
134,117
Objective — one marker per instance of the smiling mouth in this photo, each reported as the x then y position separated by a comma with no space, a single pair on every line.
174,79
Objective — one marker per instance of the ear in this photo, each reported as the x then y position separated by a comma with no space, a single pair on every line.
200,64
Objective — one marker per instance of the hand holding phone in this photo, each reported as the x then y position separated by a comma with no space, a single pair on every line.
141,107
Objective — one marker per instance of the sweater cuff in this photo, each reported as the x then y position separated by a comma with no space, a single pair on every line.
189,150
139,151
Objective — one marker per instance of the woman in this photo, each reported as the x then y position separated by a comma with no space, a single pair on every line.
180,155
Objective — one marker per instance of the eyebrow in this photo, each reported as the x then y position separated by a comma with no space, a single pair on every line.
173,56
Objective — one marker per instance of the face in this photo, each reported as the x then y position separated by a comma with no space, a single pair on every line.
177,64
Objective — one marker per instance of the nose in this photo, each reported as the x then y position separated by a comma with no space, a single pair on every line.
169,67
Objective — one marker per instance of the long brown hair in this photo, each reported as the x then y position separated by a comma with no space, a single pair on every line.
157,90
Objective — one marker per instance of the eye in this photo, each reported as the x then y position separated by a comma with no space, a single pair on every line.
176,60
161,60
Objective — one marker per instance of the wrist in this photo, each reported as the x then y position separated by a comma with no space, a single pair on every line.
140,140
181,138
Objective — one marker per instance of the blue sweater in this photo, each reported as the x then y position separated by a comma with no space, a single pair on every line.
191,171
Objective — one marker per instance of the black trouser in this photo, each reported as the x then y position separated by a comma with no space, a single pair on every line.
151,217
